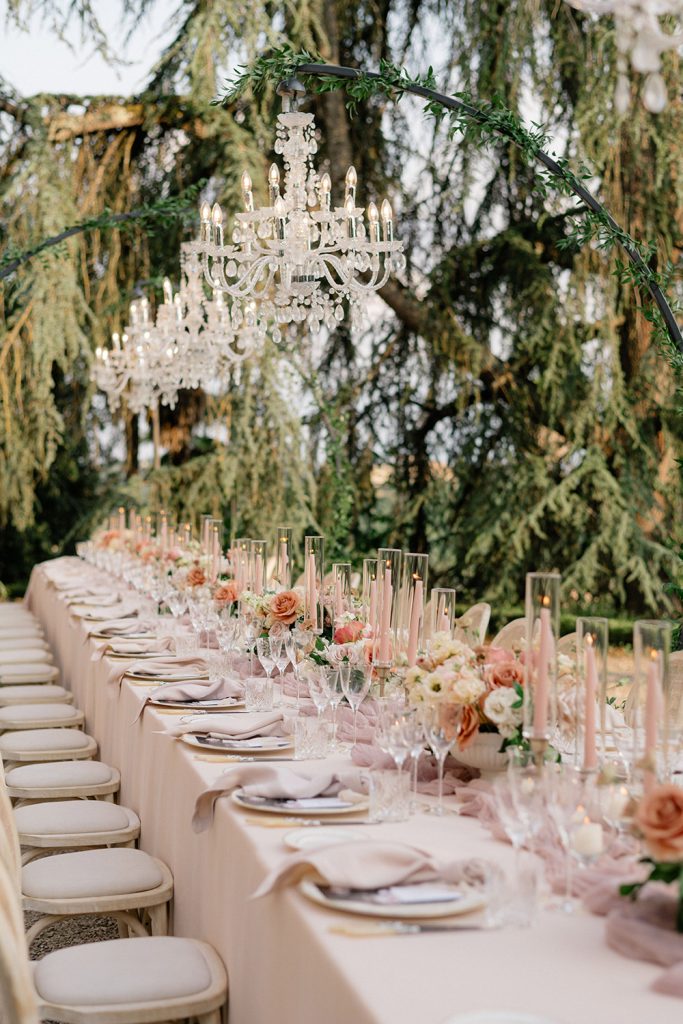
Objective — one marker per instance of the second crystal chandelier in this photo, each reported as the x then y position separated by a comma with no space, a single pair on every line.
299,259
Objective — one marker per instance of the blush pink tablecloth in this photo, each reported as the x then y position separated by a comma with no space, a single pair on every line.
283,963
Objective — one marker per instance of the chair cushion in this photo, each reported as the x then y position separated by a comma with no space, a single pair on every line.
58,774
32,673
24,655
8,643
33,740
121,971
90,873
31,693
21,714
64,817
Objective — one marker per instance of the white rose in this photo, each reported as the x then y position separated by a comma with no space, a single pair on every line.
498,708
467,688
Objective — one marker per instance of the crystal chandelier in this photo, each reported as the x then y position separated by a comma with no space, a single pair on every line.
299,260
642,39
191,343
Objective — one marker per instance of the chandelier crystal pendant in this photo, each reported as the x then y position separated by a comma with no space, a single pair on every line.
641,38
300,260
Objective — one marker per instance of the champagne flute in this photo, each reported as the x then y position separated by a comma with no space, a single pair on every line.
332,683
413,730
440,737
265,656
355,684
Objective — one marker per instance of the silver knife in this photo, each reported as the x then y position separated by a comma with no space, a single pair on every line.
390,928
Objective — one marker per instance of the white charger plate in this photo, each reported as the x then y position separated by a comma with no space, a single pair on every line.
299,812
470,901
170,677
315,838
237,748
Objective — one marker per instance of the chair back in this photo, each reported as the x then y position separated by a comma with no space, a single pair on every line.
18,1003
471,627
512,636
567,645
10,851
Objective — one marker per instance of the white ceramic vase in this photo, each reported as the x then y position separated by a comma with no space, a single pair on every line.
484,754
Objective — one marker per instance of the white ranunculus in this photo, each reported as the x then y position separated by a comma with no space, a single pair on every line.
467,688
498,708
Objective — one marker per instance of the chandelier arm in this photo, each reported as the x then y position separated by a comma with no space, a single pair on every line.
451,103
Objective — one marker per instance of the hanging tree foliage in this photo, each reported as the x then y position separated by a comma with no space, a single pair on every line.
506,407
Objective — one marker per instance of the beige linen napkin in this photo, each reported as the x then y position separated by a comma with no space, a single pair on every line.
236,727
191,667
113,627
274,782
198,689
153,645
373,865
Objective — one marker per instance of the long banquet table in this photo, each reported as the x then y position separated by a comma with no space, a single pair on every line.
284,964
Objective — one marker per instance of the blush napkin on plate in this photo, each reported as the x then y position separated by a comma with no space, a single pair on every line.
196,689
132,647
367,866
170,669
273,782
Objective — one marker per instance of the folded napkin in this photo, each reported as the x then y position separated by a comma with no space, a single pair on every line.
645,930
236,727
133,647
114,627
191,667
273,782
199,689
372,866
124,610
101,599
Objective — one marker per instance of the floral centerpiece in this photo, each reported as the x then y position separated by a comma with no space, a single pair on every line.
275,611
659,819
347,644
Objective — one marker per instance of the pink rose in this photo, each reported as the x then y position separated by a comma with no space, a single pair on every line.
173,554
505,673
469,726
488,655
349,633
226,592
660,819
285,607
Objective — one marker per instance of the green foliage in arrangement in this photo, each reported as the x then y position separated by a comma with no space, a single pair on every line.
508,406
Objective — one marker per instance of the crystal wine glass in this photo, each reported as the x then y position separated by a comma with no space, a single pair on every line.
440,736
355,684
265,655
331,681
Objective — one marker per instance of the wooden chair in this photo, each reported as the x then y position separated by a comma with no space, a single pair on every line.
62,780
512,636
25,654
567,645
122,981
34,693
73,825
13,643
471,627
40,716
30,746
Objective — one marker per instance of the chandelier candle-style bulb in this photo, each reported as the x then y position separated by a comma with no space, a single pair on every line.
280,208
373,222
274,182
351,181
247,194
168,291
325,191
217,221
116,341
387,221
205,221
350,207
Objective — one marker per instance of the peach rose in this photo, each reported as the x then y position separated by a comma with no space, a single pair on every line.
226,592
507,673
196,577
660,819
469,726
349,633
285,607
173,554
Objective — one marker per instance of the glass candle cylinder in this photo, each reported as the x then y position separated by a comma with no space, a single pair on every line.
162,530
257,566
147,528
388,586
442,614
240,570
314,574
341,589
410,621
369,593
121,521
592,644
132,518
205,534
186,536
283,558
540,664
656,707
216,548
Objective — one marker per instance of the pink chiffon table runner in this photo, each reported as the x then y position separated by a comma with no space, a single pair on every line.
283,961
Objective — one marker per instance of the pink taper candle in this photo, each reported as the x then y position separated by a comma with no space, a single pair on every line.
312,590
258,582
284,563
541,690
415,619
373,605
385,625
338,598
590,754
652,705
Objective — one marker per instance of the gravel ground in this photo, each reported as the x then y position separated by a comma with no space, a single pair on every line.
71,933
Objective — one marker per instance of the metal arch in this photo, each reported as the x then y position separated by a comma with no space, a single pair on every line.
334,71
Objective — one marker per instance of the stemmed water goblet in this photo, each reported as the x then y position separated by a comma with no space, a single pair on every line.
413,730
317,690
440,734
566,797
331,681
355,685
291,652
177,602
390,736
265,655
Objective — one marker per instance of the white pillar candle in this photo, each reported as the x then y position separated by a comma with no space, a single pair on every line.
588,839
